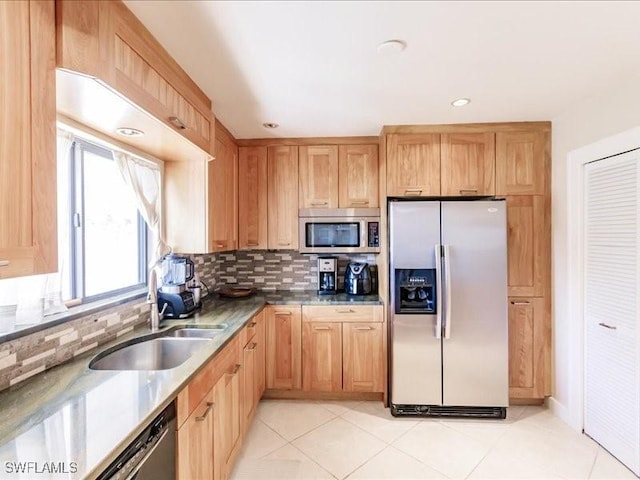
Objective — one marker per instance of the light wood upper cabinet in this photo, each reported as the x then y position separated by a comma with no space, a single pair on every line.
284,347
322,356
528,246
467,164
252,198
27,139
363,357
282,194
358,176
522,163
526,347
413,165
223,195
318,174
105,40
194,458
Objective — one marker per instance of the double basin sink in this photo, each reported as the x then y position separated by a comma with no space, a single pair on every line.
157,352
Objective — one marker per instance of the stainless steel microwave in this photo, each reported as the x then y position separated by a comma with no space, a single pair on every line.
339,230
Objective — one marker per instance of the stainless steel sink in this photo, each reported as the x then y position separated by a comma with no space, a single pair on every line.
197,332
153,354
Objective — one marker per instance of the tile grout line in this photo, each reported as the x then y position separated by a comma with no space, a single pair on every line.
593,465
312,460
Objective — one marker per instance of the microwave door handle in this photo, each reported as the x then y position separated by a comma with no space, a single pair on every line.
438,252
447,289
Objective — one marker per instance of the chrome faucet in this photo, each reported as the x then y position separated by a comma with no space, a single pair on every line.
152,299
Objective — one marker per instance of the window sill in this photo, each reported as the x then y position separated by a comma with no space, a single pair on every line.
71,314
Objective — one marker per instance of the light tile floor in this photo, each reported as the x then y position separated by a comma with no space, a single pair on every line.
310,440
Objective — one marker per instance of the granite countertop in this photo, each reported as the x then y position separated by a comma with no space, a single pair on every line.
79,419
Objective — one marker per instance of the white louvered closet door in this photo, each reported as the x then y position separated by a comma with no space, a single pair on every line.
611,306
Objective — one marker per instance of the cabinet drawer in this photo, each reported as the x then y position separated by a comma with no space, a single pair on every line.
342,313
192,394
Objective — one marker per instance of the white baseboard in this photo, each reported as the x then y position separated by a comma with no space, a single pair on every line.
562,412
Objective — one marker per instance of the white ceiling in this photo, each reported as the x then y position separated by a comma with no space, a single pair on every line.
313,66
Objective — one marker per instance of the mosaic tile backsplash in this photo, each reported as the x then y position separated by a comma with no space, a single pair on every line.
26,356
268,269
264,270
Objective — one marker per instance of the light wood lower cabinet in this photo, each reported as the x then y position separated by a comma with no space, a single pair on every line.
322,356
284,347
195,441
527,347
227,420
343,356
253,367
363,357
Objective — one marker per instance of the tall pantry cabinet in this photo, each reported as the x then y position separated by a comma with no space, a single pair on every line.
27,138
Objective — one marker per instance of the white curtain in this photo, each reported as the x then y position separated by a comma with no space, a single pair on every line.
144,179
26,300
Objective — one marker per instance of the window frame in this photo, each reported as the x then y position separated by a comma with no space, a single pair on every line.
76,207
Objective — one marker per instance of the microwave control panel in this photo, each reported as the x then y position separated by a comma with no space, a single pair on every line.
374,234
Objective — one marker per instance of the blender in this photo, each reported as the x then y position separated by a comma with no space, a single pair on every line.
175,272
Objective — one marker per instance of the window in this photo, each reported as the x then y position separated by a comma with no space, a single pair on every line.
108,237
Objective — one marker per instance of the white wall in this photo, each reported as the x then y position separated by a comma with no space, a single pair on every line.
585,123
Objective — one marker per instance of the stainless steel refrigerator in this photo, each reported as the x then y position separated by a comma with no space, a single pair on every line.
448,308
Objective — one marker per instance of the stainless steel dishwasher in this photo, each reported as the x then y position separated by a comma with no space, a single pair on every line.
151,456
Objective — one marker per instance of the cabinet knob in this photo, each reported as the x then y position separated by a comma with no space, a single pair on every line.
235,370
252,244
363,328
520,302
4,263
284,244
282,312
413,191
348,310
252,347
359,202
206,412
468,191
315,204
252,324
322,328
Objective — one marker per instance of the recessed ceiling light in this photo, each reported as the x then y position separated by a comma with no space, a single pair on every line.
130,132
392,46
460,102
270,125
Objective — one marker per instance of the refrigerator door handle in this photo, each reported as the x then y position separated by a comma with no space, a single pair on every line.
438,252
447,290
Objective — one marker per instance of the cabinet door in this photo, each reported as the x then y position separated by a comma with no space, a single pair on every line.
227,421
322,356
282,193
318,176
468,164
522,163
284,347
260,340
527,246
413,165
195,442
249,378
252,198
363,358
358,176
526,347
223,196
27,139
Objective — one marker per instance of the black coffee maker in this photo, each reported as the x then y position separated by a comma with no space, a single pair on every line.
327,275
